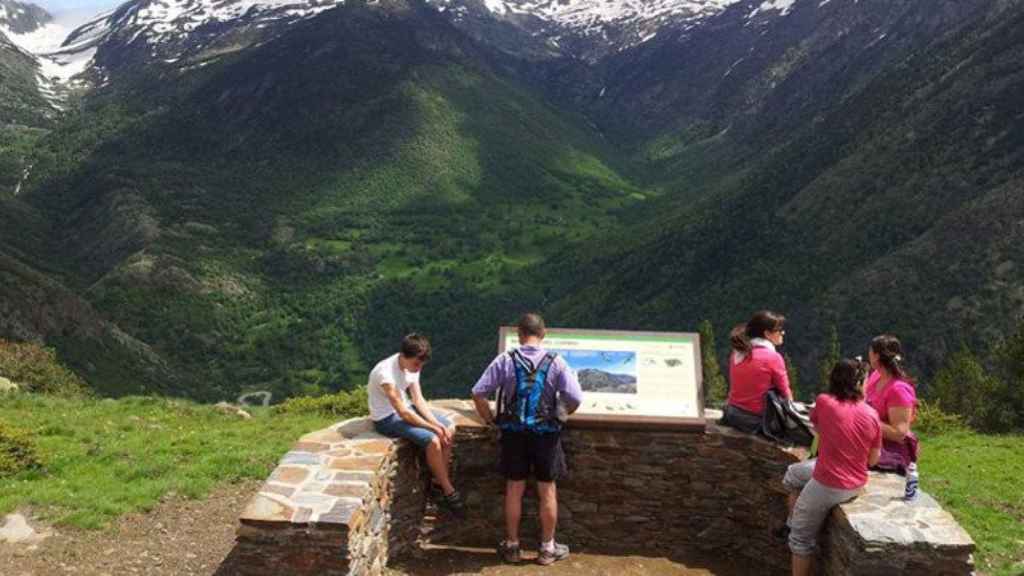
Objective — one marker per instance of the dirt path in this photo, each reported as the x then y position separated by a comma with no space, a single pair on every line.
183,537
179,537
481,562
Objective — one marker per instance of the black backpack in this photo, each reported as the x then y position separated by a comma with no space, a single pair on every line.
783,423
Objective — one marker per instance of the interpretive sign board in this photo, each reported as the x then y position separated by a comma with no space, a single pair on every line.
629,377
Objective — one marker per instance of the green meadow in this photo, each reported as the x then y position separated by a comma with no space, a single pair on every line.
100,458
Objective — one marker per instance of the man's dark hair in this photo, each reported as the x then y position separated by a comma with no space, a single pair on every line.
416,346
531,324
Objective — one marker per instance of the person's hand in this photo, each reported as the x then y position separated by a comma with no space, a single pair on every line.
444,434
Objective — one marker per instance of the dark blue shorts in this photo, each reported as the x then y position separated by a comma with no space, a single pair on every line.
526,452
394,427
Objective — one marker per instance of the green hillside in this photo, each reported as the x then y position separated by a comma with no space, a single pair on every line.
276,217
892,209
258,227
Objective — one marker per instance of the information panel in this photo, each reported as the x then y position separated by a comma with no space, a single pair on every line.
629,376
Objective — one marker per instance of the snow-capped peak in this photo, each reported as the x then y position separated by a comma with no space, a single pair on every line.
21,18
162,20
589,29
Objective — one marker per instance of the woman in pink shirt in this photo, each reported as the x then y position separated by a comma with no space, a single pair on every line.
849,440
890,391
754,368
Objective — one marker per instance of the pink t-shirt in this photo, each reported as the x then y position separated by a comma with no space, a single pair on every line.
847,432
898,394
762,370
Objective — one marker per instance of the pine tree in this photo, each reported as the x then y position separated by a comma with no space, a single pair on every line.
963,387
829,359
715,388
794,378
1008,395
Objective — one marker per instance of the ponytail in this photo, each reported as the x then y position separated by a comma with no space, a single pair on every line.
739,339
890,355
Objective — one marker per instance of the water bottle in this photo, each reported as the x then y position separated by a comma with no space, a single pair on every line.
910,492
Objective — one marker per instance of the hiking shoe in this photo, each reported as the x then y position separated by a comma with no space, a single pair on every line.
510,554
545,557
453,504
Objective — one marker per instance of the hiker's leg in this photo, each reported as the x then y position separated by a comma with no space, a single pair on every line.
802,565
446,448
548,496
797,476
514,490
438,464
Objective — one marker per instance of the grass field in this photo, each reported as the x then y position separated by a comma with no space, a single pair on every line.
978,478
104,458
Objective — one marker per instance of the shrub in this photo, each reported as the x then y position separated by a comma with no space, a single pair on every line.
932,419
962,386
715,388
17,453
36,369
342,404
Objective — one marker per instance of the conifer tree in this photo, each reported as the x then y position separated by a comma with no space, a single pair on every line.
829,359
963,387
1008,396
715,388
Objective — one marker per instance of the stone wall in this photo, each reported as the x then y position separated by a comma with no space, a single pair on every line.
637,490
345,501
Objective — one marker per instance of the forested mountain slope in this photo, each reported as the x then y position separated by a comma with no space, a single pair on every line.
274,209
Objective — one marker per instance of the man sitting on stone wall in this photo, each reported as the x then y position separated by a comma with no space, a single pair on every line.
391,382
536,390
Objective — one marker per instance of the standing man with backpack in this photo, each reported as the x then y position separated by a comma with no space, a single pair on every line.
531,384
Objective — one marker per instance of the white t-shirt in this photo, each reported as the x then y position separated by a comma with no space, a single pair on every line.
388,371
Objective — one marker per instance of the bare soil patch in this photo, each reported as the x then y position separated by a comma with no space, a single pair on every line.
180,537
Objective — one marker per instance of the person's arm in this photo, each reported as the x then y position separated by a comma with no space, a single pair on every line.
901,401
899,423
425,413
483,408
410,416
873,456
484,388
569,390
876,446
780,378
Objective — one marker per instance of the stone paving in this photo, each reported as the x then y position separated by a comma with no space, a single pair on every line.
323,479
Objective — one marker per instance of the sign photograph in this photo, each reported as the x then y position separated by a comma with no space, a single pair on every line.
629,376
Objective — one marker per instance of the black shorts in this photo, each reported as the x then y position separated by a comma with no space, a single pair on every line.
523,452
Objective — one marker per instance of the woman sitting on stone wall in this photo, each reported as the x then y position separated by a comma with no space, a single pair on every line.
849,440
754,368
890,391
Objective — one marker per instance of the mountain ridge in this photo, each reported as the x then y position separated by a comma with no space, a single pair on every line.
270,214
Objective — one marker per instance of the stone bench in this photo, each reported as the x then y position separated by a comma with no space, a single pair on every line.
880,534
346,501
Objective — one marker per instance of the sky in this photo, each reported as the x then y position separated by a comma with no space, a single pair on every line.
75,10
75,5
71,13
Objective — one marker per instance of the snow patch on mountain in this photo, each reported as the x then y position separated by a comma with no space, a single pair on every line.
781,6
157,21
588,13
43,40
